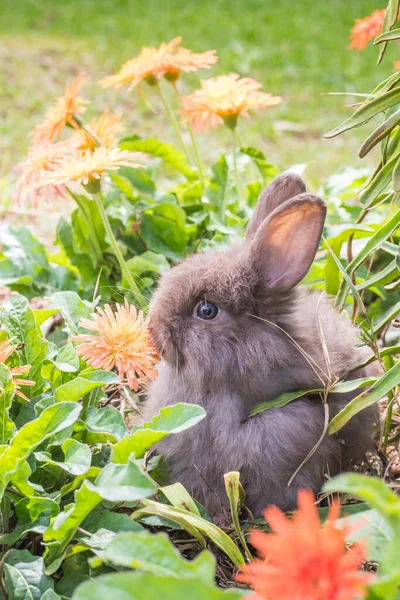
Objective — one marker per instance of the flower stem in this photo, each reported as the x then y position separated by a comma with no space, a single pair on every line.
173,120
235,172
193,140
127,275
92,237
81,125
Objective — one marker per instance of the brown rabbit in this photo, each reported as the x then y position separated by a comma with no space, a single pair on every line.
233,330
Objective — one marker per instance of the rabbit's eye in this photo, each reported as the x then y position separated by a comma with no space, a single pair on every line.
206,310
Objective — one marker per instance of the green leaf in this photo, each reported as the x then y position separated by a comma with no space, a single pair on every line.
7,390
380,277
166,152
188,520
216,192
372,490
50,595
106,422
67,360
52,420
386,317
75,389
171,419
43,314
389,21
123,483
19,321
24,576
72,308
367,111
77,457
113,521
139,179
236,496
63,527
378,184
156,554
145,586
396,175
163,230
267,171
386,383
178,496
388,36
369,526
380,133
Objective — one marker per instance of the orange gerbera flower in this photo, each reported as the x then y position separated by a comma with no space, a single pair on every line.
396,65
6,349
154,63
122,340
223,99
62,113
42,158
90,166
366,29
105,128
302,560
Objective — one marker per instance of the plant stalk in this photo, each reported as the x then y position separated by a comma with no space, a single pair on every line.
138,297
173,120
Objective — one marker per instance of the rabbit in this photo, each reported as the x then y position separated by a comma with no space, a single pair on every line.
233,330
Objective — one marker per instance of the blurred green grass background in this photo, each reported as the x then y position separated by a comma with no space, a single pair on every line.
298,50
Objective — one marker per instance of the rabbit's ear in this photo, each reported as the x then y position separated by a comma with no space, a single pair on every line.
286,242
282,188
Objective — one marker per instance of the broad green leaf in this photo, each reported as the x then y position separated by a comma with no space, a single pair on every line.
90,474
106,422
155,553
372,490
369,526
67,360
50,595
178,496
77,457
63,527
166,152
113,521
52,420
43,314
75,389
171,419
367,111
123,483
380,133
185,518
18,319
24,576
145,586
384,385
72,308
217,190
7,390
379,182
267,171
138,178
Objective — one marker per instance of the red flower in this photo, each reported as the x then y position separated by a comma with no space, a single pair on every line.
304,560
366,29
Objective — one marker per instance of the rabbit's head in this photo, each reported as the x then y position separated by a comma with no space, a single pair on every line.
226,317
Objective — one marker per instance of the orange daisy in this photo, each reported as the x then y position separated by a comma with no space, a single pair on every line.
366,29
6,349
304,560
154,63
62,113
41,158
121,340
396,65
222,99
105,128
90,166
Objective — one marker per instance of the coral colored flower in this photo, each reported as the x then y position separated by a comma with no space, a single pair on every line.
42,158
6,349
366,29
154,63
223,99
90,166
105,128
304,560
62,113
396,65
121,340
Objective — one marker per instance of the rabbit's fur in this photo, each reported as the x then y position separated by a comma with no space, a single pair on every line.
268,339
